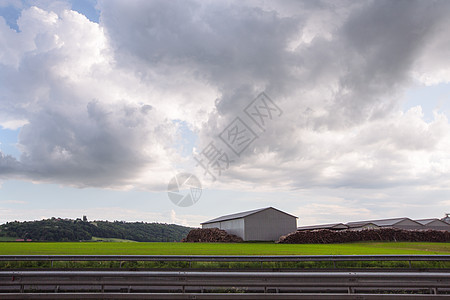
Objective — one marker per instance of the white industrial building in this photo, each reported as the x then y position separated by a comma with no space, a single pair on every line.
265,224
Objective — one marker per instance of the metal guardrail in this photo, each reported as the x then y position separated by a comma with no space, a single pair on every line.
48,284
227,258
216,296
237,283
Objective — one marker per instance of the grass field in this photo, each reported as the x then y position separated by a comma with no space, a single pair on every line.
118,248
99,239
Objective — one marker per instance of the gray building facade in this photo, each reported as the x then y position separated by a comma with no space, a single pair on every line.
265,224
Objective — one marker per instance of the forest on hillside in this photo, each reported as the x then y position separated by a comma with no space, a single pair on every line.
67,230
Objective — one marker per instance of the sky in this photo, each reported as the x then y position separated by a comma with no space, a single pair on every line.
333,111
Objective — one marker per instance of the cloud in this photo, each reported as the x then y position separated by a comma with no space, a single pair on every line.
84,127
8,164
100,104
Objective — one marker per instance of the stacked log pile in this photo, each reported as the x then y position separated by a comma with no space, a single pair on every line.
325,236
211,235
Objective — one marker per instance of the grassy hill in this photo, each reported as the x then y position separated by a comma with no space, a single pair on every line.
67,230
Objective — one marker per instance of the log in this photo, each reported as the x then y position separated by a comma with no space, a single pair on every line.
326,236
211,235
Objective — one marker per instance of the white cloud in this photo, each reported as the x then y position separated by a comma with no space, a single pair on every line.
100,100
13,124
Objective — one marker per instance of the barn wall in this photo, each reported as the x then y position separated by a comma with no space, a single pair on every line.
268,225
235,226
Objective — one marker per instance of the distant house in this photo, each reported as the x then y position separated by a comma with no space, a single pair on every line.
264,224
434,224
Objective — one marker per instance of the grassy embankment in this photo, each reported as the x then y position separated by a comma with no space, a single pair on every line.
117,248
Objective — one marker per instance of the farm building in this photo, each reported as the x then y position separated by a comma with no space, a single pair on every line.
399,223
360,226
335,226
434,224
265,224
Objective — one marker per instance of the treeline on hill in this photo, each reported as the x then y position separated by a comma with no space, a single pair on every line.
65,230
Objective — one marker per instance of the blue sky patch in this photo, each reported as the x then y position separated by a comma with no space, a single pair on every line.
10,14
430,98
8,142
87,8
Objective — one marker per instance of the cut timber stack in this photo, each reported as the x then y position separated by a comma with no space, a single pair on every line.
211,235
325,236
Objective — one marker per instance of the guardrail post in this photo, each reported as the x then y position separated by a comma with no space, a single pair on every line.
52,263
410,266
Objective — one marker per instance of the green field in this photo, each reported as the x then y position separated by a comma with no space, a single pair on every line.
119,248
99,239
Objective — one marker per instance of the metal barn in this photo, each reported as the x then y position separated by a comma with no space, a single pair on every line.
334,226
400,223
434,224
265,224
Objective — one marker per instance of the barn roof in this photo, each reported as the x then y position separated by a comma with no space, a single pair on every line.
324,226
361,224
425,221
428,221
242,215
382,222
